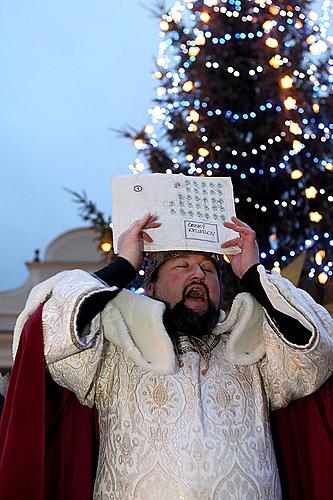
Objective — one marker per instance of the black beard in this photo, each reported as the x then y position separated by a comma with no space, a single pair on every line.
180,320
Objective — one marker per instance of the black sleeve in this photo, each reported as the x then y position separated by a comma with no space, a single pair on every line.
289,327
118,273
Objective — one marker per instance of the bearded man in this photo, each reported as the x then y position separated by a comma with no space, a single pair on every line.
183,390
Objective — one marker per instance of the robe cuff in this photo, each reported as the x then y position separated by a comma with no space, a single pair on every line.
288,300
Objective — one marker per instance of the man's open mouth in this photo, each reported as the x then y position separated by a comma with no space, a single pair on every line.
197,293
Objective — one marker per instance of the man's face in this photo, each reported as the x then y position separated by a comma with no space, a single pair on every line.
190,277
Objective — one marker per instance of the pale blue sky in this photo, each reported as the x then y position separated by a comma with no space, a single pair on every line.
70,71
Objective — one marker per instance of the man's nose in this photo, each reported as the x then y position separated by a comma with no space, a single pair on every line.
197,273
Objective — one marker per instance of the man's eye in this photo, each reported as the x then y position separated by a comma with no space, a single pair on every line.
207,270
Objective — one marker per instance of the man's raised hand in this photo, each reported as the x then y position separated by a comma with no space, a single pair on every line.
130,242
247,242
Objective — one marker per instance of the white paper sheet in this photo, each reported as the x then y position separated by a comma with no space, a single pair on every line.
191,209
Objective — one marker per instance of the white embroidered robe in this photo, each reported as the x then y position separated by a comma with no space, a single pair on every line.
170,432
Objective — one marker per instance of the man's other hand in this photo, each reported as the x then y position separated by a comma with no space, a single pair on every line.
247,242
130,242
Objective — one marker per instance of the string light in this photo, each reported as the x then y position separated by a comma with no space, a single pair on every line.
295,128
164,25
203,152
194,115
286,82
188,86
311,192
315,216
193,51
322,278
297,146
139,144
319,257
205,17
276,61
290,103
272,43
200,39
149,129
296,174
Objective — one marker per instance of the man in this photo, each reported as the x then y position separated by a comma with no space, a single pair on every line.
182,390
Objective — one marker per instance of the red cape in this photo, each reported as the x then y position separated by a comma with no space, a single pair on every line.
48,440
303,439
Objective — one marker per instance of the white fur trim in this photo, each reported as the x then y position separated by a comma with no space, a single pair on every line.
135,323
245,323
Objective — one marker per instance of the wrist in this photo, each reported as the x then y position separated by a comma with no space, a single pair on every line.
133,261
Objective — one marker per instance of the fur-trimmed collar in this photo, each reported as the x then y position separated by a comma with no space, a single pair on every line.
135,323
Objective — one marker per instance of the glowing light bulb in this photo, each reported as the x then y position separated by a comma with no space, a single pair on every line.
193,51
295,128
158,75
319,257
200,39
161,61
139,166
194,115
286,82
192,128
315,108
322,278
296,174
289,103
268,25
189,157
272,43
188,86
149,129
318,47
203,152
274,9
310,39
106,246
297,146
311,192
204,16
275,61
164,25
139,144
315,216
329,167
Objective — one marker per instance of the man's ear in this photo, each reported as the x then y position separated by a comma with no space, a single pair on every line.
150,290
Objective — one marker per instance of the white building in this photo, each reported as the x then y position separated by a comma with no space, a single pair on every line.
74,249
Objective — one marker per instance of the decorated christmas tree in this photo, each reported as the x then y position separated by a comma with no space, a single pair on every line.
245,90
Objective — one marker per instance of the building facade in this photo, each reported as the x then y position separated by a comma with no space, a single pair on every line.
77,248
